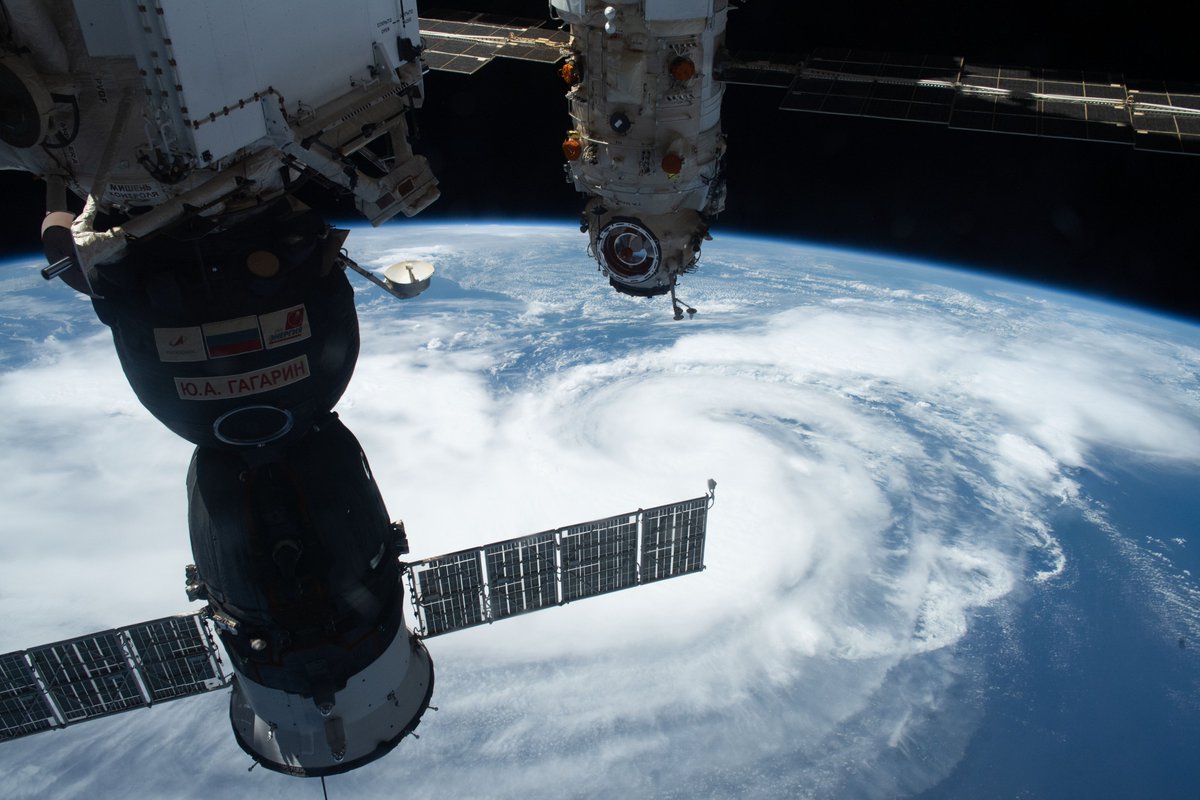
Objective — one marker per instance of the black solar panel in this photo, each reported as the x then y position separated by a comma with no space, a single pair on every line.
871,84
23,705
105,673
522,574
1056,103
451,592
174,657
1166,118
673,540
88,677
599,557
516,576
1034,102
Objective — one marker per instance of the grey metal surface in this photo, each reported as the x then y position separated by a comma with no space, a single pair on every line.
551,568
105,673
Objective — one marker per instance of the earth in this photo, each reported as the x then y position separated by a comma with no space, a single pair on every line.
954,551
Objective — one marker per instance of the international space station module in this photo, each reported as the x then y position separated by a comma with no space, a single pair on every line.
645,144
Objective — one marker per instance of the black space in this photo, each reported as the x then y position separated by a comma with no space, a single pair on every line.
1108,219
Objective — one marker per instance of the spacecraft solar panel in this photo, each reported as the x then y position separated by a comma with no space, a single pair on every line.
1065,104
24,708
1035,102
105,673
864,83
551,568
450,589
1166,117
673,540
756,73
174,656
88,677
599,557
522,574
464,43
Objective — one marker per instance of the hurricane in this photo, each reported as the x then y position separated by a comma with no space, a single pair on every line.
909,461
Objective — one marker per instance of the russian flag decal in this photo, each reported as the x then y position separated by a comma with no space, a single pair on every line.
232,337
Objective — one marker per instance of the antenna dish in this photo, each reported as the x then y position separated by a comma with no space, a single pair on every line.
408,278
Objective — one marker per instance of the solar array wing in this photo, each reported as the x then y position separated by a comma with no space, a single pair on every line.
451,591
105,673
1166,117
599,557
523,574
551,568
465,42
88,677
871,84
24,707
174,657
673,539
1035,102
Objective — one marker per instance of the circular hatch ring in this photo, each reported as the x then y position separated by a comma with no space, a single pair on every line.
628,250
253,426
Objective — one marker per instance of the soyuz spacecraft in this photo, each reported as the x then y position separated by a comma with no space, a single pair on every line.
186,130
187,127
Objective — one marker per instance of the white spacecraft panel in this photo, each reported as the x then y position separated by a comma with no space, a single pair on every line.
214,49
575,7
280,45
206,65
225,52
671,10
106,673
530,573
105,28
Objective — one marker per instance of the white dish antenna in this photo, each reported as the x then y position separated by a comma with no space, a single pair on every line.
408,278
